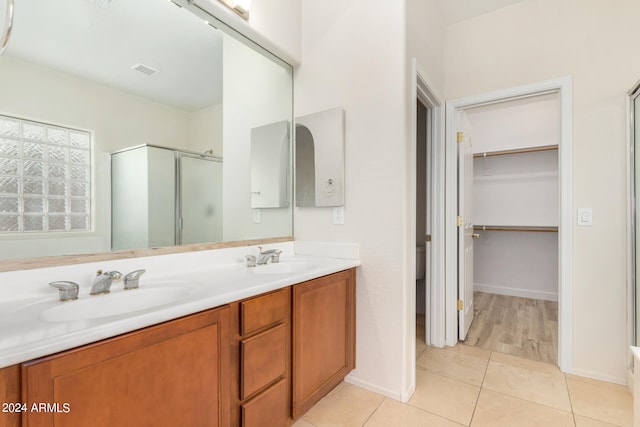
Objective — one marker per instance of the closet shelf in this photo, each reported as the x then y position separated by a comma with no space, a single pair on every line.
517,176
517,151
515,228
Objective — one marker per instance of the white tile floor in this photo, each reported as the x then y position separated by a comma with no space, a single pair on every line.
469,386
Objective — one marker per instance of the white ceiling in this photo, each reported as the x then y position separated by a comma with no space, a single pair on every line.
102,44
458,10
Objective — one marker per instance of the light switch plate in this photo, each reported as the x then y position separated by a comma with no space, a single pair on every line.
257,216
338,215
585,216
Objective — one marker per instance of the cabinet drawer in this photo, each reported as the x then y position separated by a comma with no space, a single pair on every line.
264,311
263,359
268,409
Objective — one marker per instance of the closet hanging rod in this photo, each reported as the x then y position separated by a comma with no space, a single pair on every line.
514,228
517,151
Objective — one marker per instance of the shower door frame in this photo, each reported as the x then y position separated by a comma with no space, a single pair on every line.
632,222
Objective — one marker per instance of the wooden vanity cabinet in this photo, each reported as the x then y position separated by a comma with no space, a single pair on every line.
259,362
10,396
323,337
262,348
172,374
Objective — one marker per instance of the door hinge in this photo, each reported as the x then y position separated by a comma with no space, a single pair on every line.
459,221
427,238
460,136
460,305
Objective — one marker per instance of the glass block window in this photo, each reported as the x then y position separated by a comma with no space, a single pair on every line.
45,175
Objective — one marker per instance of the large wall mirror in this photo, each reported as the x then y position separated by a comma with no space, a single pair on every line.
82,79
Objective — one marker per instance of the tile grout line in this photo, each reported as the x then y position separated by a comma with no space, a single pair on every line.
480,390
373,412
566,385
432,413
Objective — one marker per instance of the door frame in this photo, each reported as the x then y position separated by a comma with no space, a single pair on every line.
421,89
563,86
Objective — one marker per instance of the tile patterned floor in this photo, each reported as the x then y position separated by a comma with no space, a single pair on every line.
470,386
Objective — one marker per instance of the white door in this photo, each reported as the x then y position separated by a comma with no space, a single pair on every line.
465,229
428,227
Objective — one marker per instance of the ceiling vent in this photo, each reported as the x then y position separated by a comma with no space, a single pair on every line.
145,69
102,3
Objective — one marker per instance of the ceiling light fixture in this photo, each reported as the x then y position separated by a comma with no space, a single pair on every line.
241,7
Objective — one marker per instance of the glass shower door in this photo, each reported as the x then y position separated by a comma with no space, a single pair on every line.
200,199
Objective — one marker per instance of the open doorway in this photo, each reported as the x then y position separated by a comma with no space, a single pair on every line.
514,227
514,213
423,223
428,213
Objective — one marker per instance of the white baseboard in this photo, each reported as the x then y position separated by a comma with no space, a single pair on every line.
516,292
351,379
598,376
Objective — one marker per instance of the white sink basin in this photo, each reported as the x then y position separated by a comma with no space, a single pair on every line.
283,267
114,304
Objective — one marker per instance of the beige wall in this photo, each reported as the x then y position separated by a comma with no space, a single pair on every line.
351,59
593,41
353,56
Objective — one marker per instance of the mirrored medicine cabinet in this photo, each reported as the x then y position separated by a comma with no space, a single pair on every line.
320,159
138,73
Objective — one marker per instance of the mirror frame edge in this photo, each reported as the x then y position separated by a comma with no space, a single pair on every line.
61,260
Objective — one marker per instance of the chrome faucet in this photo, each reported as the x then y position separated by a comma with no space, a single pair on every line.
271,254
67,290
132,279
102,282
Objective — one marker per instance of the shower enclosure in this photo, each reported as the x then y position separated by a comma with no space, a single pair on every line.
164,197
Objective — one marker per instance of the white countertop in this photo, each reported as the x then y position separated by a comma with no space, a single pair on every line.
26,333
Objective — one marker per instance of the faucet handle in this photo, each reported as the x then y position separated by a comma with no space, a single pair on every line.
115,275
276,256
67,290
132,279
251,260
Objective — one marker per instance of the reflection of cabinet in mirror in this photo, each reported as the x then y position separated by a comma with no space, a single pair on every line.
150,204
320,159
270,165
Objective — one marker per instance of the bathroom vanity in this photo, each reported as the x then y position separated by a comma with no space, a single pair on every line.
262,360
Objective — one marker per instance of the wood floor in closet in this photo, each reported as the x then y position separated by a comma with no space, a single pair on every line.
522,327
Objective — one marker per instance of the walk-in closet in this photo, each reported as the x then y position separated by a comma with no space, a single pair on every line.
515,217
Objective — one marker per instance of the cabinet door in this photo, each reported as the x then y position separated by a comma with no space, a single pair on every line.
323,336
172,374
10,396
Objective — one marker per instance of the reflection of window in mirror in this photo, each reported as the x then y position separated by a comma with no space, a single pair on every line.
44,177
